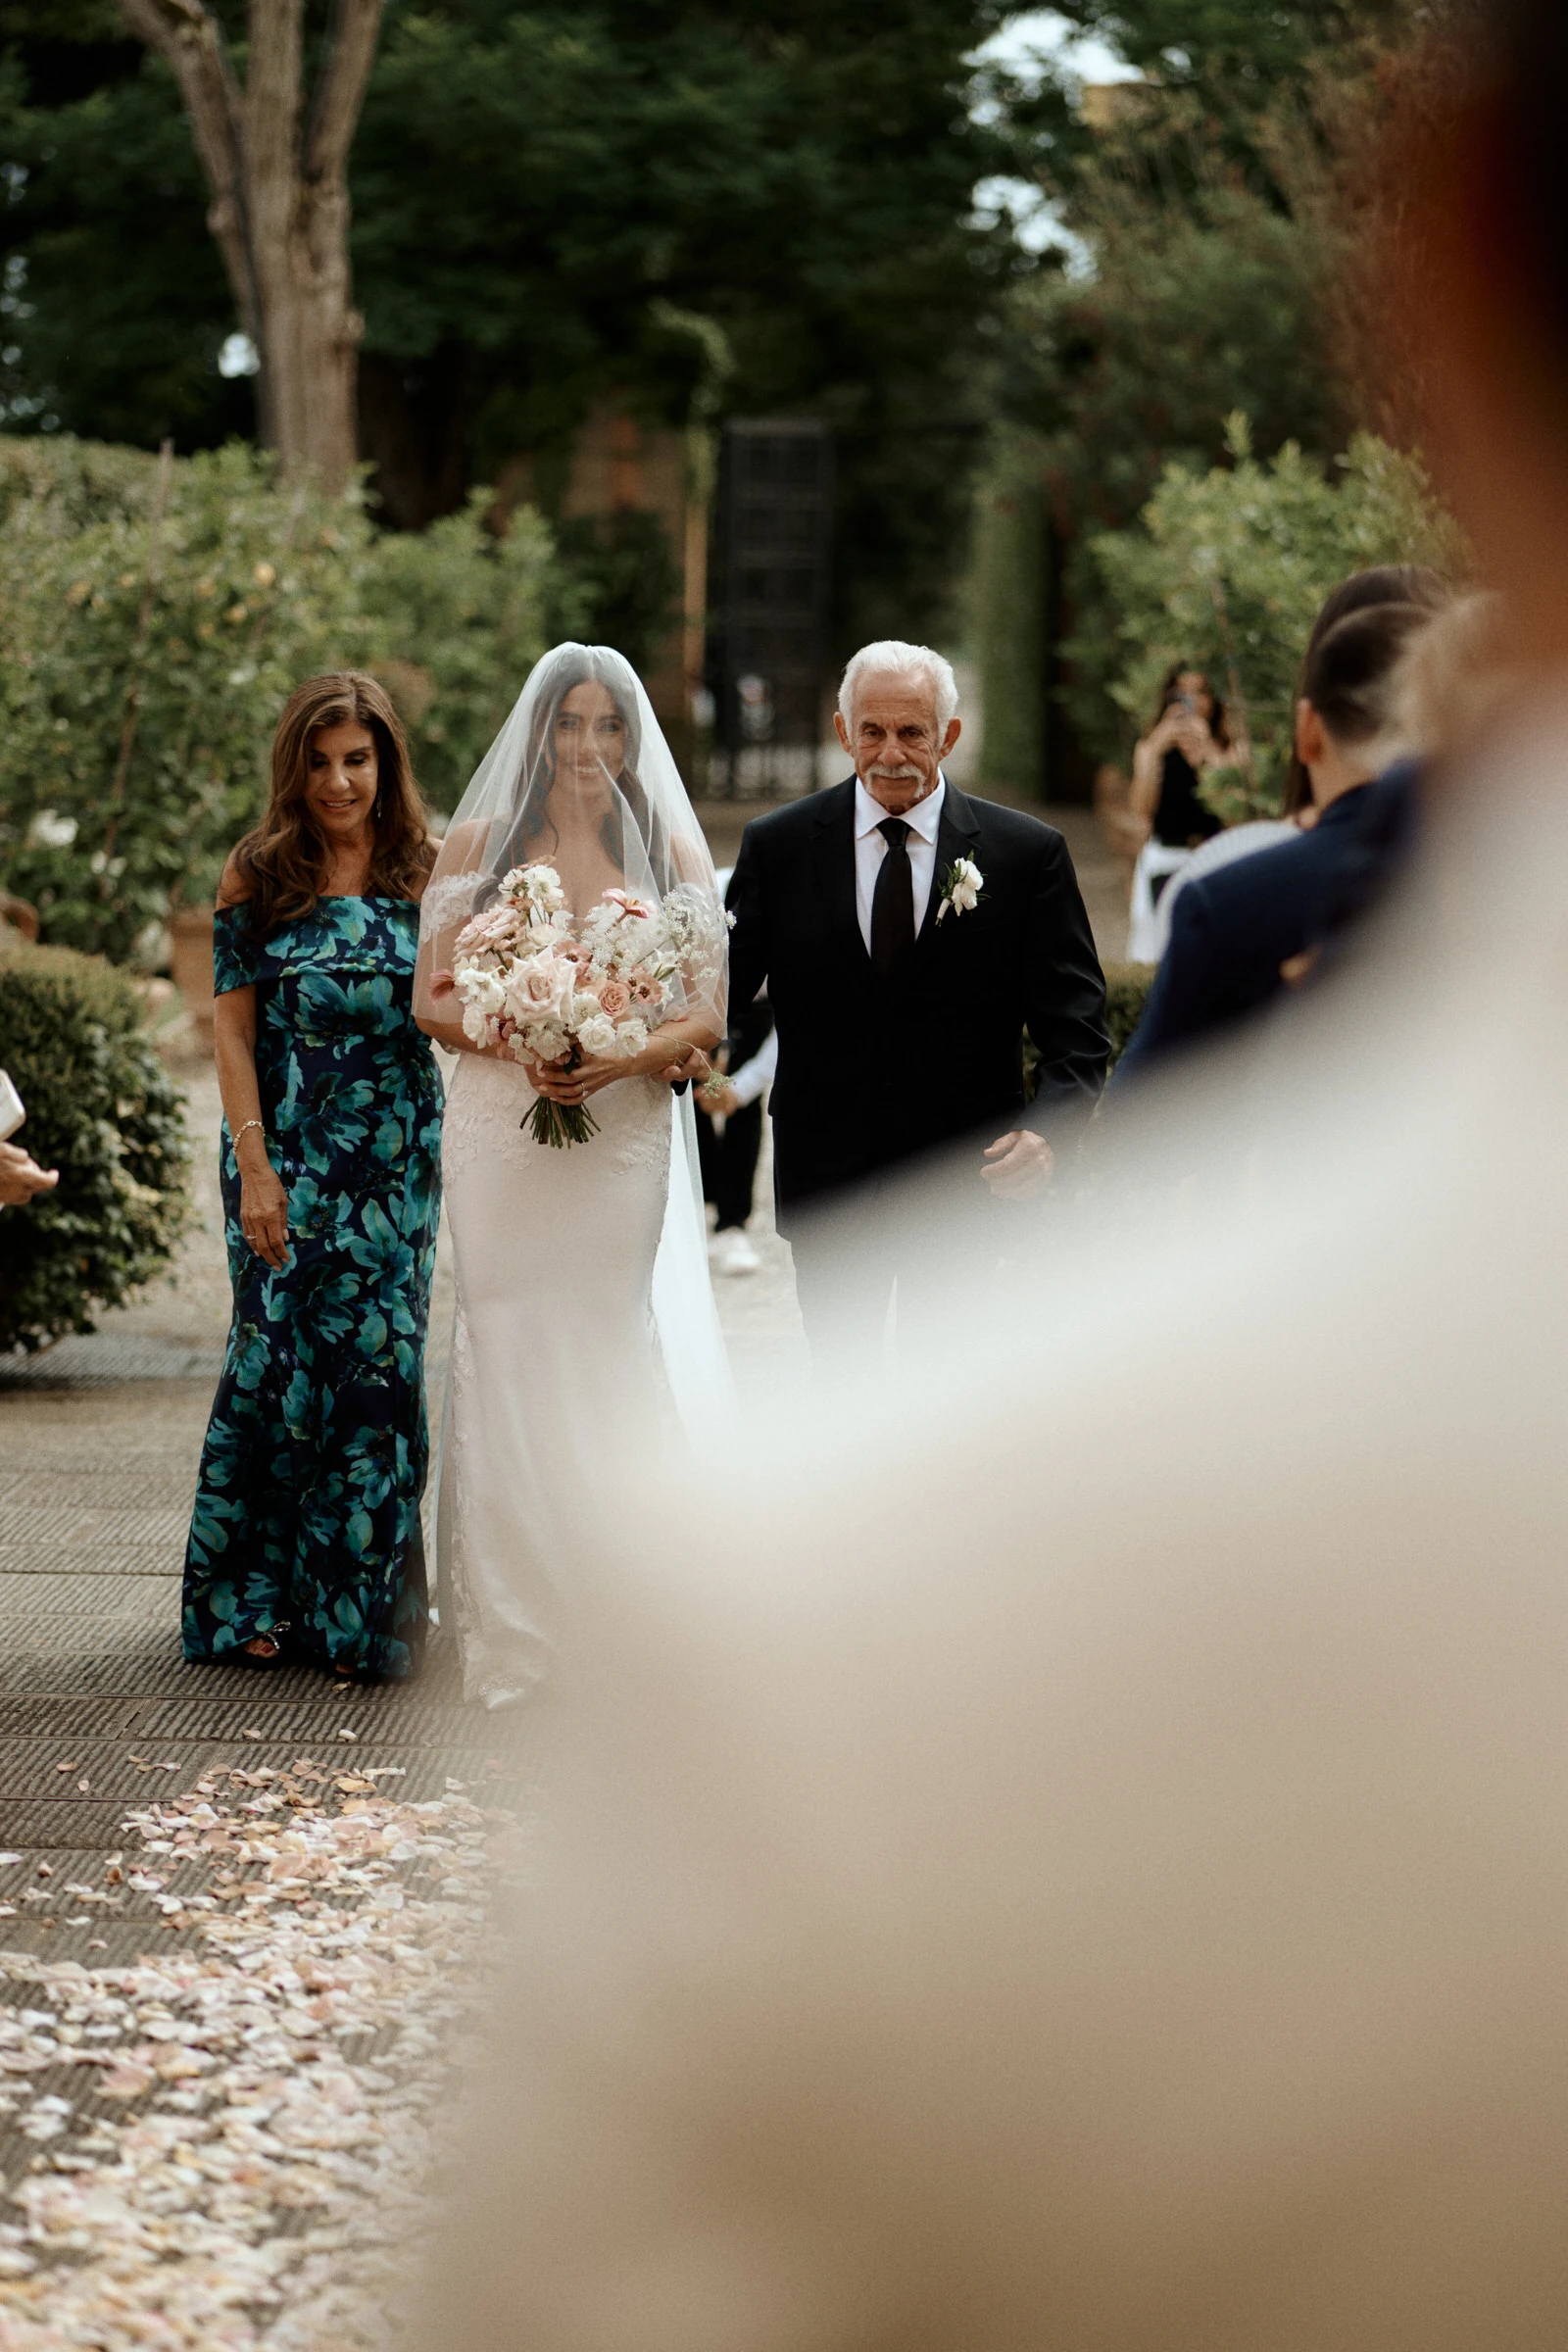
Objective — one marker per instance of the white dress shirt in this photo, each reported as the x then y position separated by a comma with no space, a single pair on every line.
756,1076
870,849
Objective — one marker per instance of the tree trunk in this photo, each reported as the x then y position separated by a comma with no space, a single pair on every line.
310,339
280,209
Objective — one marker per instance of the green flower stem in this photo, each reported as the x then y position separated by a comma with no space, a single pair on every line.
560,1123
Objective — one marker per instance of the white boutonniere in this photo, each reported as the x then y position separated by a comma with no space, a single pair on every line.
961,886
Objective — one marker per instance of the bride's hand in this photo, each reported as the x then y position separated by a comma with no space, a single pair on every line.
668,1061
575,1085
696,1067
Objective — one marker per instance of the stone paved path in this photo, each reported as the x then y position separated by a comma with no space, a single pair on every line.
101,1718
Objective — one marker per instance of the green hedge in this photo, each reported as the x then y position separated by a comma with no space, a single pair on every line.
154,621
102,1110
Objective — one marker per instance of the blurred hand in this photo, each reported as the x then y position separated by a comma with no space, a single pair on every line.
1022,1164
21,1177
263,1215
720,1102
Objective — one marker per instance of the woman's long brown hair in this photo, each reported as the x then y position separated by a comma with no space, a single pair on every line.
283,865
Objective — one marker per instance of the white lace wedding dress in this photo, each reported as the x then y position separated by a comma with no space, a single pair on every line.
555,1365
585,1316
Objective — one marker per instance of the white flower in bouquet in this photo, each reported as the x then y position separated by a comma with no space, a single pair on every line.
545,1040
536,888
477,1026
482,990
485,994
598,1035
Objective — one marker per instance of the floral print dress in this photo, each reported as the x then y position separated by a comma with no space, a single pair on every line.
307,1518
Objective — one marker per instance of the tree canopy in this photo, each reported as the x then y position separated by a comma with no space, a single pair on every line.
1208,237
762,203
1245,41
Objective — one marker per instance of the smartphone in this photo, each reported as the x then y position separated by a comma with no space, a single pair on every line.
11,1112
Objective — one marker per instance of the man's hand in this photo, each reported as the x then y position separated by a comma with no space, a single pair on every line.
22,1178
720,1102
1021,1164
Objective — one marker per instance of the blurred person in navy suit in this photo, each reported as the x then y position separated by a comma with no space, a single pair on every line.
1235,934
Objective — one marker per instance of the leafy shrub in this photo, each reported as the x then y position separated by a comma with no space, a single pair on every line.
1127,986
149,635
1227,570
102,1110
153,619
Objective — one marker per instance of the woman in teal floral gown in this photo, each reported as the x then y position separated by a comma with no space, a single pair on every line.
305,1539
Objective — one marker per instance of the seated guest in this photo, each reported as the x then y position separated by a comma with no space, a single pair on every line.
1234,931
1189,735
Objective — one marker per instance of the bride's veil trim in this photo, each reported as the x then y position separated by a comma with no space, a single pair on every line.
650,837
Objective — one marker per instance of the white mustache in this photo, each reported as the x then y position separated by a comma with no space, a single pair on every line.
898,773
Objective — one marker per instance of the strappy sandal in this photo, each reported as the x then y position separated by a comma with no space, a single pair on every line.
262,1660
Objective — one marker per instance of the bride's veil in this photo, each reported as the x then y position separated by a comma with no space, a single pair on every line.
620,820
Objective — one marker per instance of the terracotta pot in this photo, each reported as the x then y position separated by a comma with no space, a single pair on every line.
190,934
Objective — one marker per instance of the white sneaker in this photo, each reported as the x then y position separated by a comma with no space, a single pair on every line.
735,1254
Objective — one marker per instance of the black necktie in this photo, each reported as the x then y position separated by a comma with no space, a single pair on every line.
892,901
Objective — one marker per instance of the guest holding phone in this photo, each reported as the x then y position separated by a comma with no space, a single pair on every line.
1188,737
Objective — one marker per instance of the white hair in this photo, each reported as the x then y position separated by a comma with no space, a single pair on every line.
890,657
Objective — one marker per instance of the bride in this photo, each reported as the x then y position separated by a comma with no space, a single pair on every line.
584,1305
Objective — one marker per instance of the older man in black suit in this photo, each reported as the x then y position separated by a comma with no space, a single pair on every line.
908,934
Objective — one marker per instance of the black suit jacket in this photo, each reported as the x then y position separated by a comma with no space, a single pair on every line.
1231,930
871,1072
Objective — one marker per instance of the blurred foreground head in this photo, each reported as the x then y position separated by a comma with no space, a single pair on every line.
1479,296
1080,1860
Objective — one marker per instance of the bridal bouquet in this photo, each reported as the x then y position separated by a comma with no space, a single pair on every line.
553,990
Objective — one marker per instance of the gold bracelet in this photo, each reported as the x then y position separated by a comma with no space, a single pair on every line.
245,1130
